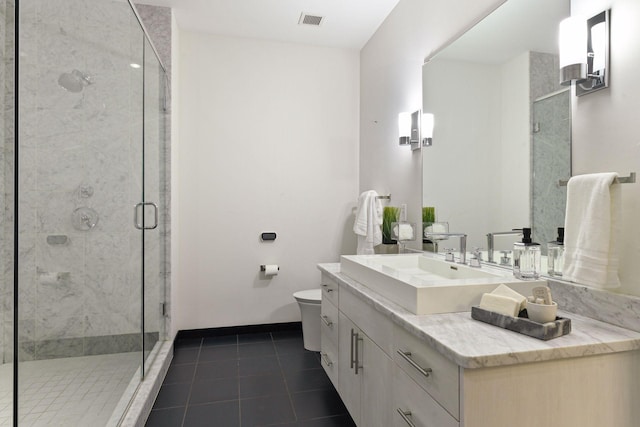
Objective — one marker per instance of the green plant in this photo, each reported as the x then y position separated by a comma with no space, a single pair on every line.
428,215
389,216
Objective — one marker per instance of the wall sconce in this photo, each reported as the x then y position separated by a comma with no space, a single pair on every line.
404,128
427,129
409,129
584,53
415,130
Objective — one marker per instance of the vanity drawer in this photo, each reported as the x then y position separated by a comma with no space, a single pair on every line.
329,321
374,324
330,289
417,405
329,357
432,371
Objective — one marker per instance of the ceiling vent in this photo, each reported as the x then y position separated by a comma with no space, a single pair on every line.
306,19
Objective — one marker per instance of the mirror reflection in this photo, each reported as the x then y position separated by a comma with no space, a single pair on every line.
502,129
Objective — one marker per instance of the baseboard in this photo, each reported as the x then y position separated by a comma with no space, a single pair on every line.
236,330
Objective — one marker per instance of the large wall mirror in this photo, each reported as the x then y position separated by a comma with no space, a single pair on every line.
502,132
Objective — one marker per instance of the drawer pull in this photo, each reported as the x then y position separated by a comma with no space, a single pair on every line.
405,416
353,335
406,355
358,365
325,358
327,288
326,321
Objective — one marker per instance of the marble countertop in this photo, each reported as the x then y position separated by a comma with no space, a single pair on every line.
473,344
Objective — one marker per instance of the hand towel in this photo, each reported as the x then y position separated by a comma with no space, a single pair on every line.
403,231
592,222
368,222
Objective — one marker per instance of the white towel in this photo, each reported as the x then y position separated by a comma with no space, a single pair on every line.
591,231
403,231
368,222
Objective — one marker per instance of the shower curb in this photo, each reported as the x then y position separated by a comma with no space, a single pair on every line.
142,403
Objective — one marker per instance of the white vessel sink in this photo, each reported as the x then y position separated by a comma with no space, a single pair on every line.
424,284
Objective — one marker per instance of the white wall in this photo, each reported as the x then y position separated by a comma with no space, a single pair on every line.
605,131
512,208
477,172
460,167
268,141
391,82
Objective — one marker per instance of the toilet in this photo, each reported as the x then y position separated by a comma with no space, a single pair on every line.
309,303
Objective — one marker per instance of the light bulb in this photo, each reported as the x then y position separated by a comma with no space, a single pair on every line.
573,41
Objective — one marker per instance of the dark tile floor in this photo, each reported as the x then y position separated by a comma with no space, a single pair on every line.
245,380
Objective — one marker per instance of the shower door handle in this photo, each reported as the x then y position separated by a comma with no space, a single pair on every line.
137,223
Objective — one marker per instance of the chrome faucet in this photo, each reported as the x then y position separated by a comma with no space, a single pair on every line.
513,232
476,258
463,243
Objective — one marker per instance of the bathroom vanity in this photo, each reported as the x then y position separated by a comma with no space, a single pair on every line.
395,368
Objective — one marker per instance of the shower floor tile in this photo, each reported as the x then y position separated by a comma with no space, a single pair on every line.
251,379
75,391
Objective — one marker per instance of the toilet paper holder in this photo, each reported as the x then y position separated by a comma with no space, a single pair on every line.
263,267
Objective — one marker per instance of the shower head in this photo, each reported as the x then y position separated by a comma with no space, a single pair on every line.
74,81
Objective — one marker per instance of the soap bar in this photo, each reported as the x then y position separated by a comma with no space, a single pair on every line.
506,291
500,304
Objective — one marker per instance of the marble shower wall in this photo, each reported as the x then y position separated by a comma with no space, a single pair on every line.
82,150
551,159
5,116
550,146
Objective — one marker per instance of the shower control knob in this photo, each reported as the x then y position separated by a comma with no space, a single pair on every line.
85,191
84,218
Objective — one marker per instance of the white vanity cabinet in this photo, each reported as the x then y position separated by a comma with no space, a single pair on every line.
351,346
329,328
329,340
434,376
362,369
365,376
388,376
591,391
413,406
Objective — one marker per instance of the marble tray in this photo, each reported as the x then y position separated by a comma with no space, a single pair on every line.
543,331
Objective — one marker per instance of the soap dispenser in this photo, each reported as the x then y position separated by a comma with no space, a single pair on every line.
555,254
526,257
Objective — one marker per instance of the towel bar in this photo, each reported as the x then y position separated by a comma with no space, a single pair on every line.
631,179
384,197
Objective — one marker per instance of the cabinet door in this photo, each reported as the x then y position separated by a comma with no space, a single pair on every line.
349,389
377,397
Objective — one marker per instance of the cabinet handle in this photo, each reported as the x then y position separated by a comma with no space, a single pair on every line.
358,366
406,355
405,416
327,288
351,354
326,321
325,358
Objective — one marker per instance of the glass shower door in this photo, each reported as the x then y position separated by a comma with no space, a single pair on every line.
551,162
153,229
80,156
7,214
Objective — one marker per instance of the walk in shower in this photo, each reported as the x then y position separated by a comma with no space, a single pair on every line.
84,205
550,162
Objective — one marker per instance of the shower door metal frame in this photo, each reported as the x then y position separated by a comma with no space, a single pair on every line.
16,249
